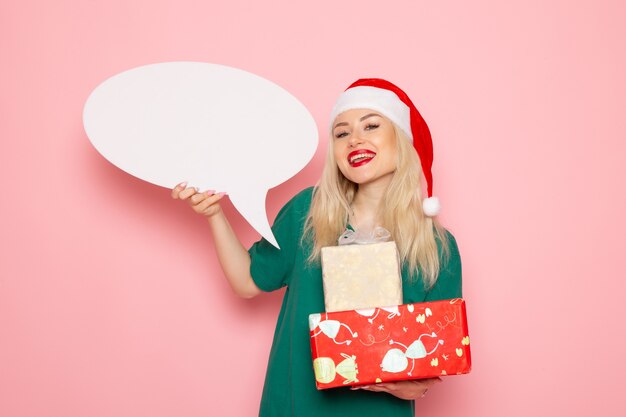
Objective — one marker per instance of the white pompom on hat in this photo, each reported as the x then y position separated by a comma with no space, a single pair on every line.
389,100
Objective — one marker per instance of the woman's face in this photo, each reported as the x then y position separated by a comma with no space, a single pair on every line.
364,145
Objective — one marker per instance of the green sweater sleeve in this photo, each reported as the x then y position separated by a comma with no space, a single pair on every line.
270,267
449,282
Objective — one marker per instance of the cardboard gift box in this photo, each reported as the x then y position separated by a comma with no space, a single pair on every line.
361,276
409,341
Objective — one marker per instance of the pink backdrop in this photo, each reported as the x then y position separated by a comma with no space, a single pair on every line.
111,299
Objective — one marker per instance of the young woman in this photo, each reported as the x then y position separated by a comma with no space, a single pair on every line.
379,148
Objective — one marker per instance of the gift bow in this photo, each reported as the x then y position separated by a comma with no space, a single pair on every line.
378,235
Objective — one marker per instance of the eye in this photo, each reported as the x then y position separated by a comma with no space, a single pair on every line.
371,126
340,135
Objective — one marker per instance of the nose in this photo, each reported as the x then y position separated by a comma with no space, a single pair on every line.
354,139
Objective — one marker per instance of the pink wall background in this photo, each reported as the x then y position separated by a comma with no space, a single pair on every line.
111,299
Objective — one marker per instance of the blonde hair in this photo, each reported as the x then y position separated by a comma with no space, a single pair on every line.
415,234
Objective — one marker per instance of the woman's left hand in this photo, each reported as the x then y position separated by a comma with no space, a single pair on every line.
407,390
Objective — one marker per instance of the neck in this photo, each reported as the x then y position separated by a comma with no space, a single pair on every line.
366,205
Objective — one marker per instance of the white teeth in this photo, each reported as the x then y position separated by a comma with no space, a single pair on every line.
361,156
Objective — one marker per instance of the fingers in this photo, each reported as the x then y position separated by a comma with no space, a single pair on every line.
394,386
201,202
429,382
380,387
187,192
407,390
199,197
182,192
176,190
206,203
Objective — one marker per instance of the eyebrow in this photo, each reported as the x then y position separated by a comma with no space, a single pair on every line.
360,120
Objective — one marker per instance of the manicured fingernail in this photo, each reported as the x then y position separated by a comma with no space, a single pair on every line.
222,194
183,184
210,192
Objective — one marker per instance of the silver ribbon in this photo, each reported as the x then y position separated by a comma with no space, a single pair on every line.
358,237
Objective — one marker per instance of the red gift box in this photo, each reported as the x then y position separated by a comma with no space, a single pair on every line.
409,341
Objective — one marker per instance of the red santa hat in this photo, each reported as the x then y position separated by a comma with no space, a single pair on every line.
390,101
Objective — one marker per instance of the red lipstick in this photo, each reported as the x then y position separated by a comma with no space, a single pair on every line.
360,157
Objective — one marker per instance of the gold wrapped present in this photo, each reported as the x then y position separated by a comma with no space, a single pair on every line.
361,276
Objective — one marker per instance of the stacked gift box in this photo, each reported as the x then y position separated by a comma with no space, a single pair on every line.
367,335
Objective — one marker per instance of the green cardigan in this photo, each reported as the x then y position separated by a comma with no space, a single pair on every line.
290,384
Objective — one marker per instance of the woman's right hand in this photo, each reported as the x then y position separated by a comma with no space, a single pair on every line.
233,257
205,203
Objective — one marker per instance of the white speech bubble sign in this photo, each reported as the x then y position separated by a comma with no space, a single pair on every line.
216,127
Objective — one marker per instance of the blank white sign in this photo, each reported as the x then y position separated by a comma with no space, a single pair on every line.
214,126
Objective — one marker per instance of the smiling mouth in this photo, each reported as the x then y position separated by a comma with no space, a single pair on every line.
360,157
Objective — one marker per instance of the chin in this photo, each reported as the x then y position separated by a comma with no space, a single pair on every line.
360,180
368,179
357,178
